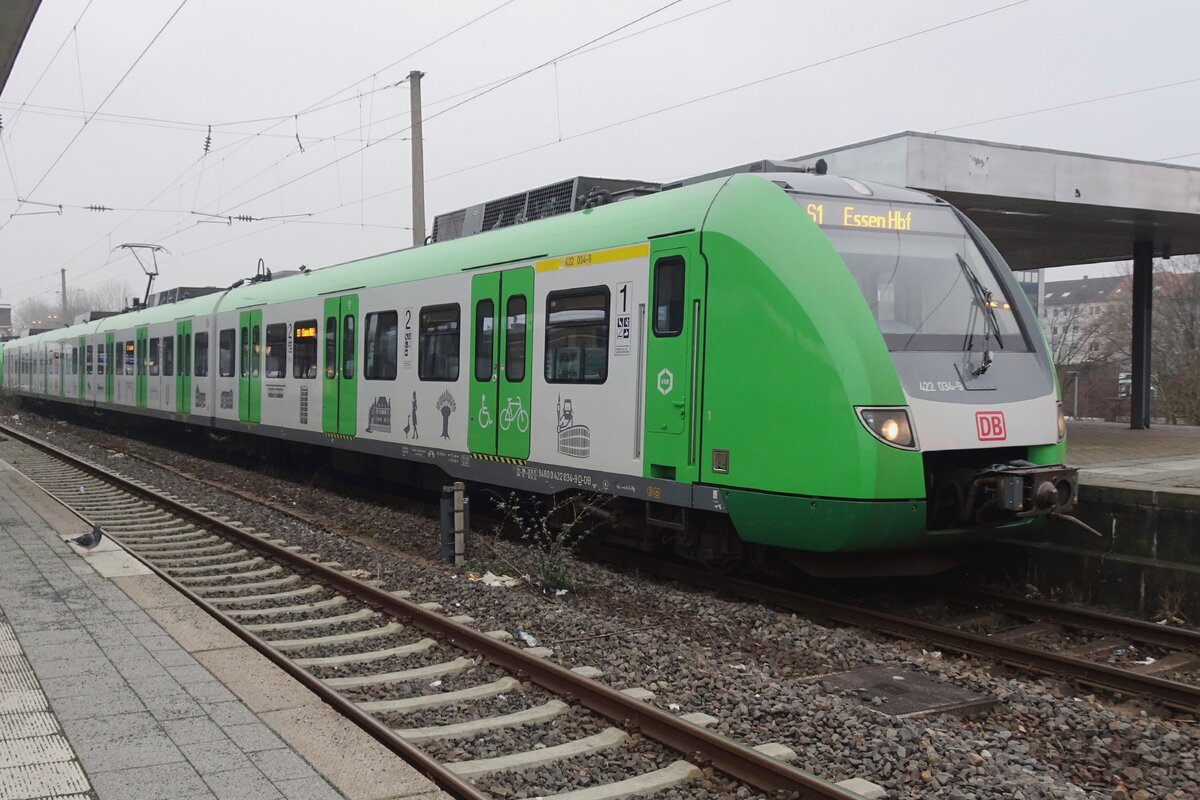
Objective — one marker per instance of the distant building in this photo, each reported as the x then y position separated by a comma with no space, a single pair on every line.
6,328
1070,312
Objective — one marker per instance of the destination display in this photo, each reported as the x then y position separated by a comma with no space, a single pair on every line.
833,212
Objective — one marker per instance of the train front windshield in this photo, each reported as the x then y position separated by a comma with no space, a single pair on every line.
926,282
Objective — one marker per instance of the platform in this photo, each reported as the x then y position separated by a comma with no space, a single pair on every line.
1162,458
114,686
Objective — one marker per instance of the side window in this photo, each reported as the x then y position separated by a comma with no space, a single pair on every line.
201,360
304,349
130,357
379,347
485,323
152,363
228,347
514,338
87,357
185,357
668,296
348,346
168,356
438,343
142,360
577,335
277,350
74,360
331,347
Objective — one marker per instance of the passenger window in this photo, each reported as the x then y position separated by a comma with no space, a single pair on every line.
331,347
277,350
185,356
255,350
304,349
438,343
130,357
141,357
668,296
577,335
88,353
201,358
485,322
168,356
348,346
74,360
152,363
379,347
228,347
514,339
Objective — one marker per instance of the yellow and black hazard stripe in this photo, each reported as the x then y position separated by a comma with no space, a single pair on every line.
343,436
520,462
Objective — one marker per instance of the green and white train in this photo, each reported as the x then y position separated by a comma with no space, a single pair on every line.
760,364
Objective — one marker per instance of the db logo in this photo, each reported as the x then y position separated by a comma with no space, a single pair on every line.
989,425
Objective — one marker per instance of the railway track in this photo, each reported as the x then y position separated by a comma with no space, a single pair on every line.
1009,650
418,680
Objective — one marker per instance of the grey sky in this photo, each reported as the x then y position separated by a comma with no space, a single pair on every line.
237,65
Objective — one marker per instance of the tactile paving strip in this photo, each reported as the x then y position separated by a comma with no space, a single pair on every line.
35,759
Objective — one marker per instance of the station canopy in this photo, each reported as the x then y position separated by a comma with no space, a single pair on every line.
15,18
1041,208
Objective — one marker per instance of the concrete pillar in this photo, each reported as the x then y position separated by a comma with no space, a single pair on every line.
1143,301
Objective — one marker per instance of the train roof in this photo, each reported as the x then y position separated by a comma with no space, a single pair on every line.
679,209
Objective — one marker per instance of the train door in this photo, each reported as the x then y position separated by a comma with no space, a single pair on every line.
674,358
339,386
250,370
183,367
141,359
110,366
501,352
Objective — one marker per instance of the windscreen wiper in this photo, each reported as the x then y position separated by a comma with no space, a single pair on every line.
983,296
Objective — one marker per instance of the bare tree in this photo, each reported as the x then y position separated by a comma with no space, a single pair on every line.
1072,335
37,312
1175,339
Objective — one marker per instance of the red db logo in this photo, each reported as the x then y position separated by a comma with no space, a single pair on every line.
990,426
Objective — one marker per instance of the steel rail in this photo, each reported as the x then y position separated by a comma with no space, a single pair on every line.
744,763
1171,693
1086,619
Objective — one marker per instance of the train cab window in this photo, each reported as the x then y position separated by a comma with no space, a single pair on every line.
130,357
201,357
485,323
514,339
168,356
227,346
87,357
577,335
152,363
331,347
668,296
277,350
348,346
304,349
438,343
379,346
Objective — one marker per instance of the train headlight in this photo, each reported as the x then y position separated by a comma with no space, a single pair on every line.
1062,423
890,426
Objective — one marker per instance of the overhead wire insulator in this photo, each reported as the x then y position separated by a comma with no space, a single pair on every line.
97,208
208,141
243,218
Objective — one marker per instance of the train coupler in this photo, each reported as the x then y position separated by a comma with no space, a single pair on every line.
1019,489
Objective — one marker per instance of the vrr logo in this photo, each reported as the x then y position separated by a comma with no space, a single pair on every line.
989,425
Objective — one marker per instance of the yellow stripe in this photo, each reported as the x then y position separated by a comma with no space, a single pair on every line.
594,258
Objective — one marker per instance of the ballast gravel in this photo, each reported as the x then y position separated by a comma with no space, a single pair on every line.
749,666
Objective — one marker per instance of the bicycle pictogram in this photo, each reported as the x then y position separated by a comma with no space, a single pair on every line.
513,412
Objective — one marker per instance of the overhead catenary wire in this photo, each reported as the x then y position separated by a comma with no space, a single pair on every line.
111,92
